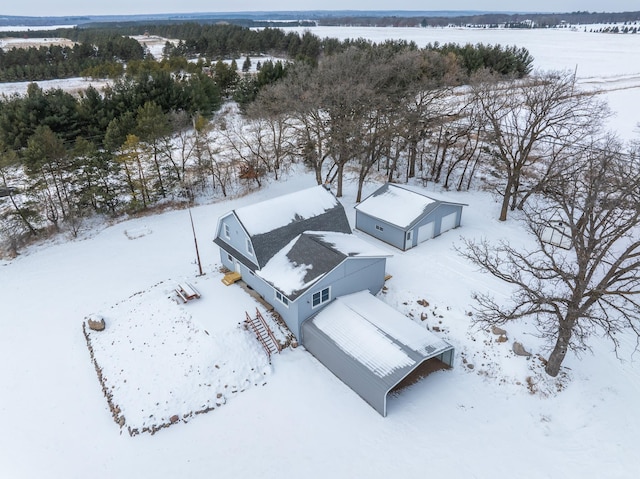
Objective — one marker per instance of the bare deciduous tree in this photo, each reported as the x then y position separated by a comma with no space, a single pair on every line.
524,116
587,280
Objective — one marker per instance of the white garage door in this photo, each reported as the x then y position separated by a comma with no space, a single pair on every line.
426,232
448,222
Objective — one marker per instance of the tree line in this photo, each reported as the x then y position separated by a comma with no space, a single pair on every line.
55,61
104,52
540,20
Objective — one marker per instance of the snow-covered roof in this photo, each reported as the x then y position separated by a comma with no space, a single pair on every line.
397,205
310,256
348,244
361,339
376,335
266,216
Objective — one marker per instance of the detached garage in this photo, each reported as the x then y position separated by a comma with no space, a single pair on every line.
405,218
373,348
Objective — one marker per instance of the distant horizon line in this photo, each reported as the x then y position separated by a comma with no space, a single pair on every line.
237,12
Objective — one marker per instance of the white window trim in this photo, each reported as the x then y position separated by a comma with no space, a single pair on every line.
320,293
227,230
282,298
249,247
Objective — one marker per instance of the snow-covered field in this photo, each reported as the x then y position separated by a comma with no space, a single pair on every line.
467,422
71,85
608,62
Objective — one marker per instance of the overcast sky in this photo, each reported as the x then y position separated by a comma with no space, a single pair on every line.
121,7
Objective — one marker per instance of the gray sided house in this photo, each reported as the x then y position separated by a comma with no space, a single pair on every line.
373,348
405,218
298,253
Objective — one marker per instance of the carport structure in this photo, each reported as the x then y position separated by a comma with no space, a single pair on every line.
371,347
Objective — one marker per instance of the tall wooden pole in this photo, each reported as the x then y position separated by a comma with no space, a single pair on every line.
195,240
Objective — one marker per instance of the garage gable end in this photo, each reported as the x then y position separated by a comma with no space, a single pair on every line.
370,346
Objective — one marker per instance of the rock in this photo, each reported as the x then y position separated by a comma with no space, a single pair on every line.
498,331
423,316
174,419
294,344
502,339
121,421
470,366
519,349
96,323
436,329
423,302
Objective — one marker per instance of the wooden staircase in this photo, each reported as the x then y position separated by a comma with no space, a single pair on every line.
231,278
263,333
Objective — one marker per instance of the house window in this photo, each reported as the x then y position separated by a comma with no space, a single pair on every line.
379,228
227,231
230,258
249,248
282,298
321,297
408,235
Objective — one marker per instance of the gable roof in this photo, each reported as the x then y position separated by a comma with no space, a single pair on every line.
375,334
398,205
380,345
273,223
310,256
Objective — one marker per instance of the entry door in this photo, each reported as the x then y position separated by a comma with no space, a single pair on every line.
408,240
426,232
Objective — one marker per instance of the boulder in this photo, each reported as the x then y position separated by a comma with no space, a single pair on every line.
519,349
96,323
498,331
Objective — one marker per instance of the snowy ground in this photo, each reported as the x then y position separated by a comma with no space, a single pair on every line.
162,361
480,422
70,85
9,43
466,422
154,43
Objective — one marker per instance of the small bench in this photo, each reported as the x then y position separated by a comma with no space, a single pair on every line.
187,292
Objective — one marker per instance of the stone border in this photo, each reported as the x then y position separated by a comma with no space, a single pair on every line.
116,412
